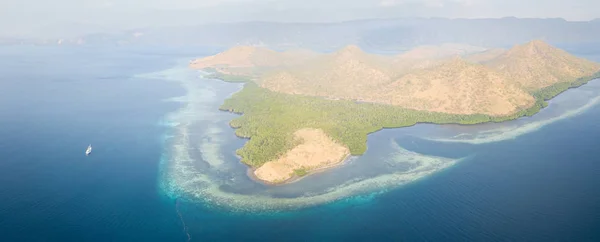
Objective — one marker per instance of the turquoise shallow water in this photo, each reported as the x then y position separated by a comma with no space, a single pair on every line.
539,186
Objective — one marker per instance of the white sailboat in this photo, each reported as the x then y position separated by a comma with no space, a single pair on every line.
89,150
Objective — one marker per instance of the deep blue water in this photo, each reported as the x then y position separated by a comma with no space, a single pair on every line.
542,186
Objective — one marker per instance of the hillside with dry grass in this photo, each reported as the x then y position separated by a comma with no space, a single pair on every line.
345,74
455,86
537,65
250,60
453,78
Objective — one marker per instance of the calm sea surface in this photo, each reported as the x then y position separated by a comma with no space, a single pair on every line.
541,186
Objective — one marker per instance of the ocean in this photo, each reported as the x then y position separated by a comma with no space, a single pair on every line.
532,179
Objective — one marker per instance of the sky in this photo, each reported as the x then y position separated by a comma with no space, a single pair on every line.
26,17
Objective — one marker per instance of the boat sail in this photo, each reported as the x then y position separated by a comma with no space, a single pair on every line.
89,150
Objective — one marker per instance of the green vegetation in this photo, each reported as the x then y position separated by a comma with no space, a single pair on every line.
550,92
270,119
300,172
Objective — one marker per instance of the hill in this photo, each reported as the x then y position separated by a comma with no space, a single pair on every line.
349,93
487,82
339,75
452,78
455,86
250,60
536,65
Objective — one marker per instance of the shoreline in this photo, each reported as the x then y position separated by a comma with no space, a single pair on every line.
181,176
540,98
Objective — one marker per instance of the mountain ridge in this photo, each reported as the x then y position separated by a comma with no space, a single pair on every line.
537,65
456,83
392,35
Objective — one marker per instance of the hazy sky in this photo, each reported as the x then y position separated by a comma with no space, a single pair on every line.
26,16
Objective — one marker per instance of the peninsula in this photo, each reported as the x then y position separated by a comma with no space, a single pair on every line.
305,111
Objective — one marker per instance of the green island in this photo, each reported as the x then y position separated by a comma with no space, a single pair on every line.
303,113
269,118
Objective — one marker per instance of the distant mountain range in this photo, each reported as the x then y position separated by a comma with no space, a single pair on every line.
379,35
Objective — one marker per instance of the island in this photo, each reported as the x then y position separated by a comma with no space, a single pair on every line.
304,111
